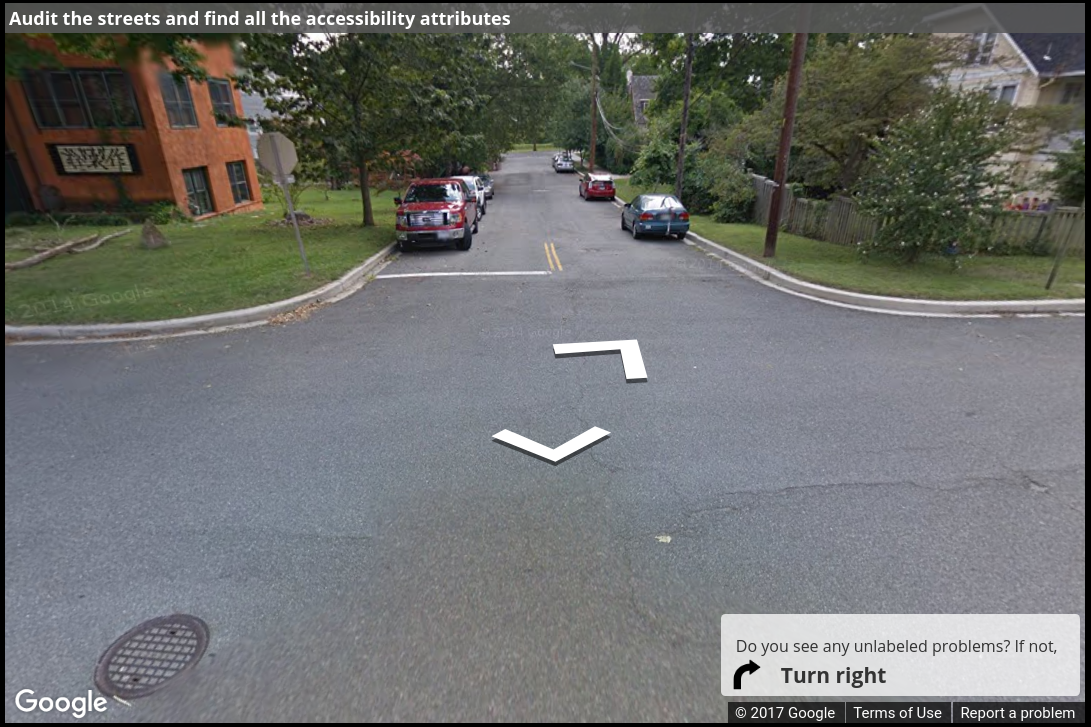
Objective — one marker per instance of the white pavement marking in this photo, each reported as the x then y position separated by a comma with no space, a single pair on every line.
629,350
443,275
592,436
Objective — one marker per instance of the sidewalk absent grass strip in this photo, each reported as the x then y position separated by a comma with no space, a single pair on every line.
1016,277
225,263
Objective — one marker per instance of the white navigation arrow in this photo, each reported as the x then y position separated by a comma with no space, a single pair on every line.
629,350
573,446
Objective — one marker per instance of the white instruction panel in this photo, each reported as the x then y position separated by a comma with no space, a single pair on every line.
900,655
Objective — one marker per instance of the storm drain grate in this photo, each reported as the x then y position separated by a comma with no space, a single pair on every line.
149,656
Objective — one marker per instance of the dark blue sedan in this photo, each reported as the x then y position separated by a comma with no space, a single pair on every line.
661,215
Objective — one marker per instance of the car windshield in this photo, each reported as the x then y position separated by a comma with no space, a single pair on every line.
654,203
434,193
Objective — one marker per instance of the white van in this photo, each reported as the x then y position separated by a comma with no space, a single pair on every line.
478,185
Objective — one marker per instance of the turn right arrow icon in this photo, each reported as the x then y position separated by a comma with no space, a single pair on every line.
629,350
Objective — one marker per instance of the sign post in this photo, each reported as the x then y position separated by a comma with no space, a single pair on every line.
277,155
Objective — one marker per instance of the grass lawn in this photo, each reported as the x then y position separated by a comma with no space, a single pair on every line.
220,264
530,147
1017,277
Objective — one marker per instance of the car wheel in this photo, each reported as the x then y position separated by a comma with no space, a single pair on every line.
484,210
476,222
636,235
404,246
467,239
681,235
623,227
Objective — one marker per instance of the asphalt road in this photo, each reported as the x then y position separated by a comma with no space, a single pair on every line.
327,496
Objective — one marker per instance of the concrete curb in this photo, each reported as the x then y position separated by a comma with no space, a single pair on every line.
346,284
883,304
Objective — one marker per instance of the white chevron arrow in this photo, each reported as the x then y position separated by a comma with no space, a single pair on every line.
577,444
629,350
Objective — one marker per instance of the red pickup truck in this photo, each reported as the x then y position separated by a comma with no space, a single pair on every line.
436,213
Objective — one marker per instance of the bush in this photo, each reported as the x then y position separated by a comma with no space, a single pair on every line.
933,179
162,213
24,219
733,192
730,187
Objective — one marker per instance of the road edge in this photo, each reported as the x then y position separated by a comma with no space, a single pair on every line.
336,290
878,303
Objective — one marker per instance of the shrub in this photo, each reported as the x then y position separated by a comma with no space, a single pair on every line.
933,179
23,219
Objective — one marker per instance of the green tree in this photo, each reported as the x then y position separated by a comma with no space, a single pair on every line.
935,180
851,93
524,83
1067,174
711,114
743,65
448,102
367,93
571,125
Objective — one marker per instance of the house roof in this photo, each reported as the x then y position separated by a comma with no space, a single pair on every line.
1052,54
641,88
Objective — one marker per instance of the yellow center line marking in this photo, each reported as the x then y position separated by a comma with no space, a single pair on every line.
555,257
548,258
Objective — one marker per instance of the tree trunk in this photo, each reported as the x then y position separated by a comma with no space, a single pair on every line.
681,170
369,214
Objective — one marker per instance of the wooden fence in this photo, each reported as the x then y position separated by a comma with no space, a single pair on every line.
840,222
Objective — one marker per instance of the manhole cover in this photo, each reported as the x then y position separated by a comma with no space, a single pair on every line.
150,656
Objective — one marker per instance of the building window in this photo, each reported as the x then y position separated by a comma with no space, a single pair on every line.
1073,93
240,186
178,101
223,101
110,99
197,194
82,99
1003,94
981,49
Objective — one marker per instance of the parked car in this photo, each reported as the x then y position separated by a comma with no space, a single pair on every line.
477,187
436,213
597,186
563,164
488,185
655,214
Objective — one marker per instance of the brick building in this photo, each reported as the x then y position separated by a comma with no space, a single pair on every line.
91,135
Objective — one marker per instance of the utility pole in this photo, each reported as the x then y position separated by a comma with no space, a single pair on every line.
780,175
680,174
594,99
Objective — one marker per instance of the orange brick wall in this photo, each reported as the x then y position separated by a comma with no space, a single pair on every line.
162,152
